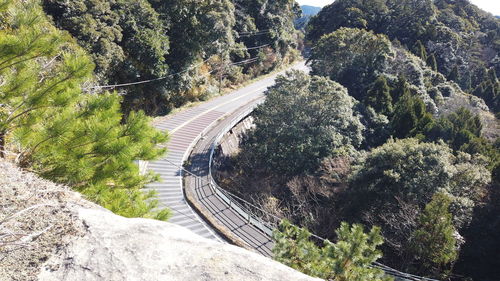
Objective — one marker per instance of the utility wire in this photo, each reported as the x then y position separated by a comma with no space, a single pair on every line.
251,48
149,80
255,32
165,77
173,74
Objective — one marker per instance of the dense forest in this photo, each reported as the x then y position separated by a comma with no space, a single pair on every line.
395,127
193,44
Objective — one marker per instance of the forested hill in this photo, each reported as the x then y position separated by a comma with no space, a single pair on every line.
310,10
207,41
463,40
307,13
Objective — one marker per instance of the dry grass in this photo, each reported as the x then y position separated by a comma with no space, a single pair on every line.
35,221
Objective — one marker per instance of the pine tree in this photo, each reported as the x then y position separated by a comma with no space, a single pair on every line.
66,136
379,97
431,62
410,117
346,260
419,50
433,243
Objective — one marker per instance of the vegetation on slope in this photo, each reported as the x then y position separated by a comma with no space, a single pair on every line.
459,39
307,13
348,259
420,136
197,46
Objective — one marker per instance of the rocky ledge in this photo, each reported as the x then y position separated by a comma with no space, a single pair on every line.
48,232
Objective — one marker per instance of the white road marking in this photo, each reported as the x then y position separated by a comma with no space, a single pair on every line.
214,108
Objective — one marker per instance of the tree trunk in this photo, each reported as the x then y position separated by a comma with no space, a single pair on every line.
2,144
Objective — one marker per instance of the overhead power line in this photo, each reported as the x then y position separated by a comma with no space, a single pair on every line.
147,81
251,48
187,69
165,77
255,32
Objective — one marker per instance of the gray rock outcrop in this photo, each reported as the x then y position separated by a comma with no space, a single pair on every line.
65,237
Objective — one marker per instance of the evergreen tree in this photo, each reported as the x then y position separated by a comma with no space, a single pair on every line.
318,121
410,117
419,50
346,260
433,243
456,129
431,61
400,89
379,97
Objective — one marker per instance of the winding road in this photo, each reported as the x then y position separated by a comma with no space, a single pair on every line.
186,128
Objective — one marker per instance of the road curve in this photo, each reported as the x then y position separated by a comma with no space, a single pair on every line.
185,129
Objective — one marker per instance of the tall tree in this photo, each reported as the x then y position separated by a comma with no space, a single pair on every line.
410,117
400,89
453,75
456,129
419,50
352,57
318,121
433,242
379,96
432,63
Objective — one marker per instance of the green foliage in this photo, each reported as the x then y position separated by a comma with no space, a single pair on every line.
133,40
410,117
489,90
432,63
419,50
276,16
401,88
433,242
412,172
444,26
318,121
461,130
348,259
70,138
482,241
126,39
352,57
456,129
379,97
453,75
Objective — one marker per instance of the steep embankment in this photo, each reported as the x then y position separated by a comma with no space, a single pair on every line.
48,232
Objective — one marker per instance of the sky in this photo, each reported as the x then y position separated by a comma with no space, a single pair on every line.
492,6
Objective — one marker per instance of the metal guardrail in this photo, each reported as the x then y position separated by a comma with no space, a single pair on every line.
250,212
244,208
